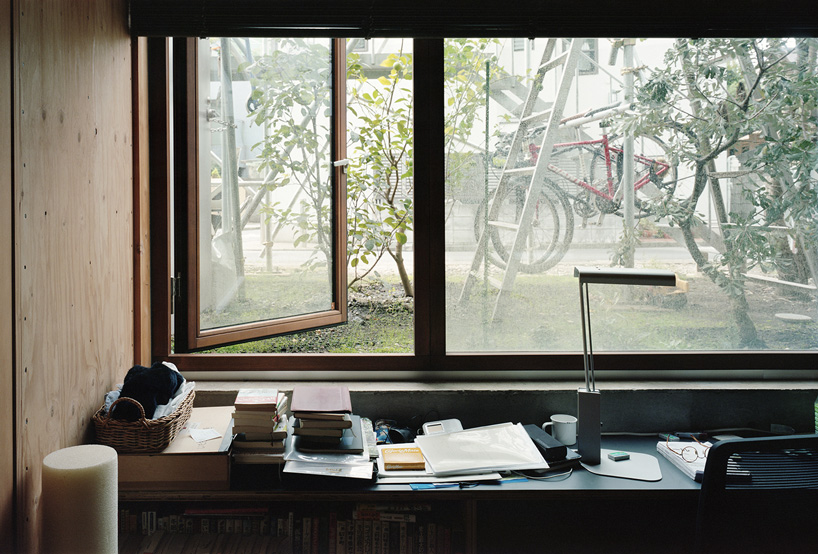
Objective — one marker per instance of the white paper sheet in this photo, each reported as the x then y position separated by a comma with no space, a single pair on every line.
501,447
355,471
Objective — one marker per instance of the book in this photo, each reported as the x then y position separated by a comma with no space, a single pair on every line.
403,457
256,399
255,418
352,441
322,416
251,457
299,429
324,399
344,423
185,464
274,413
276,446
260,429
274,431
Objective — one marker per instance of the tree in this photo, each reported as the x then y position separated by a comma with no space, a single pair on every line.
292,94
291,90
713,98
380,209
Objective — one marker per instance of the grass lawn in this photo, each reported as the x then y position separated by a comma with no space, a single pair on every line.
542,314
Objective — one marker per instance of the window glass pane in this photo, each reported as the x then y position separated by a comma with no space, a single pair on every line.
697,156
288,82
265,179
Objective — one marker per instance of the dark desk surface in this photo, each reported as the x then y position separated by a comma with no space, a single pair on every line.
580,483
673,480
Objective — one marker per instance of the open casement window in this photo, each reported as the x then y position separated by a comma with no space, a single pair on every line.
266,146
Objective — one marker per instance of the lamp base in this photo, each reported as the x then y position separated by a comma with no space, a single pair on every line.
589,426
641,467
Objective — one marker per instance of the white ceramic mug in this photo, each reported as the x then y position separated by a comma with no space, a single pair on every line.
564,428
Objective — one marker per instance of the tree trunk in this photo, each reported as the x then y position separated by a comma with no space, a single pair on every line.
748,335
405,280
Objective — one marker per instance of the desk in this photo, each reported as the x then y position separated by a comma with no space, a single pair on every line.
583,513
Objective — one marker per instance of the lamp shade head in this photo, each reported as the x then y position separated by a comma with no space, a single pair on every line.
625,276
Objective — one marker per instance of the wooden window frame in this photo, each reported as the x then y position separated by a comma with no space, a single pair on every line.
186,292
430,356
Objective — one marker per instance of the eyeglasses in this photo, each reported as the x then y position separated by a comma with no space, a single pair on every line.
690,453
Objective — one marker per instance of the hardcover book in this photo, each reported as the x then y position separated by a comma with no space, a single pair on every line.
261,433
352,441
265,446
299,429
321,399
344,423
255,418
256,399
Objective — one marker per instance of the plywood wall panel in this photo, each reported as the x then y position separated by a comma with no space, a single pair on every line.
142,281
73,222
6,289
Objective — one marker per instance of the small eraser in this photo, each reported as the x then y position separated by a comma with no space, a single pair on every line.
618,456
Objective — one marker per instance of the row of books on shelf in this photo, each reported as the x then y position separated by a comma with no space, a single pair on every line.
363,531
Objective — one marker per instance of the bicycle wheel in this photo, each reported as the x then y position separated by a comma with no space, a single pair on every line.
550,234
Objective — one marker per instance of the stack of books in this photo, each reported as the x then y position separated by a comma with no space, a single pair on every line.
323,421
260,426
327,438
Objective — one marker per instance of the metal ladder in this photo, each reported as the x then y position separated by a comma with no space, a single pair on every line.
536,173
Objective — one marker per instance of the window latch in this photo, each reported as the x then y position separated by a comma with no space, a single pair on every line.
342,164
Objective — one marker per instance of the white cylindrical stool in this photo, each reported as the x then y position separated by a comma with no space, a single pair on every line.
79,500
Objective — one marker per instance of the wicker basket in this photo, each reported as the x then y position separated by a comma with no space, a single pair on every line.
142,435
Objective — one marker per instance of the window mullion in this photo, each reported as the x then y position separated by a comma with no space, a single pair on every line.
430,301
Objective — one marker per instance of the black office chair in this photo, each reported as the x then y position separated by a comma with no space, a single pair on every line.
760,495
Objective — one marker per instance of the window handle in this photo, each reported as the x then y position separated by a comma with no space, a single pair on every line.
341,163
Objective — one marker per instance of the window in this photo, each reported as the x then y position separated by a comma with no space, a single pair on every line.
270,146
452,166
588,63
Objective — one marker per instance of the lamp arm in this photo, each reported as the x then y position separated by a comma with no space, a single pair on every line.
587,345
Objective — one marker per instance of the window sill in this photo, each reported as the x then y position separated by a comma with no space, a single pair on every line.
627,406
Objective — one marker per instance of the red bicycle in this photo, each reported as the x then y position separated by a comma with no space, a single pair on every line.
586,179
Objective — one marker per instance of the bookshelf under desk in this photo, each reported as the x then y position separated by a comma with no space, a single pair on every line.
512,516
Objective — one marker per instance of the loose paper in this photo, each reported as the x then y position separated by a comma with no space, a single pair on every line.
204,435
502,447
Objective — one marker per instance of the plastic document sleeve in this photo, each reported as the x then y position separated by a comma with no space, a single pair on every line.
501,447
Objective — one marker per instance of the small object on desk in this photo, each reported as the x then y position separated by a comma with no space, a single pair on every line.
551,449
443,426
668,437
618,456
403,457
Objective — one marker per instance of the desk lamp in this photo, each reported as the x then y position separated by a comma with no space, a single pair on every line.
589,426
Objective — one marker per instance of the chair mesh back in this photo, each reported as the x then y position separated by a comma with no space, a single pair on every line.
760,495
782,469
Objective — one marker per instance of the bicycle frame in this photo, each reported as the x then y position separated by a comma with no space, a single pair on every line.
660,168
